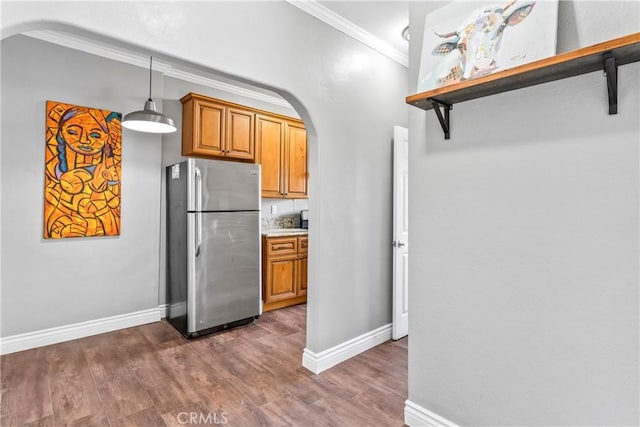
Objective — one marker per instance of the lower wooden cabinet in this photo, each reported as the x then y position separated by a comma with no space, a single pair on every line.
284,271
302,276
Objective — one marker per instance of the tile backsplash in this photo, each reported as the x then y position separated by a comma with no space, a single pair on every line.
280,222
279,213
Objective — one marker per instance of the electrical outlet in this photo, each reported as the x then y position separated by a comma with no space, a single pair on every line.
274,209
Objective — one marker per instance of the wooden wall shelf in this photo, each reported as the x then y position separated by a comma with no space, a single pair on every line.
604,56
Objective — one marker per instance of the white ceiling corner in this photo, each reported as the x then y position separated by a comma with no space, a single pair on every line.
311,7
329,17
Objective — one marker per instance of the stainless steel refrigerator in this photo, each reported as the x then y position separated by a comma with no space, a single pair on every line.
213,245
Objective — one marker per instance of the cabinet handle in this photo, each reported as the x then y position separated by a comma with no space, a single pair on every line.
282,246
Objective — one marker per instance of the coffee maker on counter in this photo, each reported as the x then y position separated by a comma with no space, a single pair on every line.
304,218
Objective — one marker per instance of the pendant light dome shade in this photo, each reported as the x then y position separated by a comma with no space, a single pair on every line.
149,119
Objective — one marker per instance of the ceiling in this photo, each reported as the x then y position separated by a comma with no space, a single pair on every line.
377,24
383,19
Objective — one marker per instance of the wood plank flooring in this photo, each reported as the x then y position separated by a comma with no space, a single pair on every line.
249,376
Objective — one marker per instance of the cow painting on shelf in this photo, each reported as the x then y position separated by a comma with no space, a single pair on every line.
466,40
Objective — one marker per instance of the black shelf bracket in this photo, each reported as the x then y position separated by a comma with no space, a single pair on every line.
611,73
443,119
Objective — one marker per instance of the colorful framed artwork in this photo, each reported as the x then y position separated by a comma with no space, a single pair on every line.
470,39
82,172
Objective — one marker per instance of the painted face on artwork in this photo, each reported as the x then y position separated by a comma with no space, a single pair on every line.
472,49
84,135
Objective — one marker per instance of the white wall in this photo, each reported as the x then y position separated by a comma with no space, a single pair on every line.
348,96
524,254
49,283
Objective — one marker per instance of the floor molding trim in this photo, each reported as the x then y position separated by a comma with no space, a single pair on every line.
318,362
164,310
26,341
415,415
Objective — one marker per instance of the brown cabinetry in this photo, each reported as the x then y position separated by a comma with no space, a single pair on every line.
284,271
270,138
295,170
282,146
222,130
217,129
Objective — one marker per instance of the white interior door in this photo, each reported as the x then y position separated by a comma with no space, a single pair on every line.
400,232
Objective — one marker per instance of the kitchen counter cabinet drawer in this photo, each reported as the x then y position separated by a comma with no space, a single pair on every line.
282,246
303,245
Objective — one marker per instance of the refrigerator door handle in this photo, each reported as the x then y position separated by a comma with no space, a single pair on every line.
198,209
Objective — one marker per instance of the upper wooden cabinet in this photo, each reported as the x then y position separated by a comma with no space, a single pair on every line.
282,145
296,161
240,134
218,129
270,139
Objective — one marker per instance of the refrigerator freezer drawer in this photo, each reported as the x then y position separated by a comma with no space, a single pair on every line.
224,269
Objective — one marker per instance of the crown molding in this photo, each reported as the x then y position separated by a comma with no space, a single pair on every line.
96,48
205,81
352,30
132,58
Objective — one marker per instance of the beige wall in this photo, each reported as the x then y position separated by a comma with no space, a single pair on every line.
524,245
348,95
51,283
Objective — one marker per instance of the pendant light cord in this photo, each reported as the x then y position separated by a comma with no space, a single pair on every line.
149,119
150,64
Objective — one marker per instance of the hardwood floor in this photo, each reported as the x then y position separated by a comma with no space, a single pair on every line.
249,376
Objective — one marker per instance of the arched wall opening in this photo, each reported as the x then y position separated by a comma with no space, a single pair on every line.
348,95
172,79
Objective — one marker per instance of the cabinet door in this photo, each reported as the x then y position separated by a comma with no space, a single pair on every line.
302,276
240,134
209,129
296,165
270,139
281,279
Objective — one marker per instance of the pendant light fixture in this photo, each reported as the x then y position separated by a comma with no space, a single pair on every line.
148,119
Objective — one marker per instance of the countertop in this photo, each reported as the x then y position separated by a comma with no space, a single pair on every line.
285,232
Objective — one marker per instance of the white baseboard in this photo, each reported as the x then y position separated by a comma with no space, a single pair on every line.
415,415
164,310
318,362
14,343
